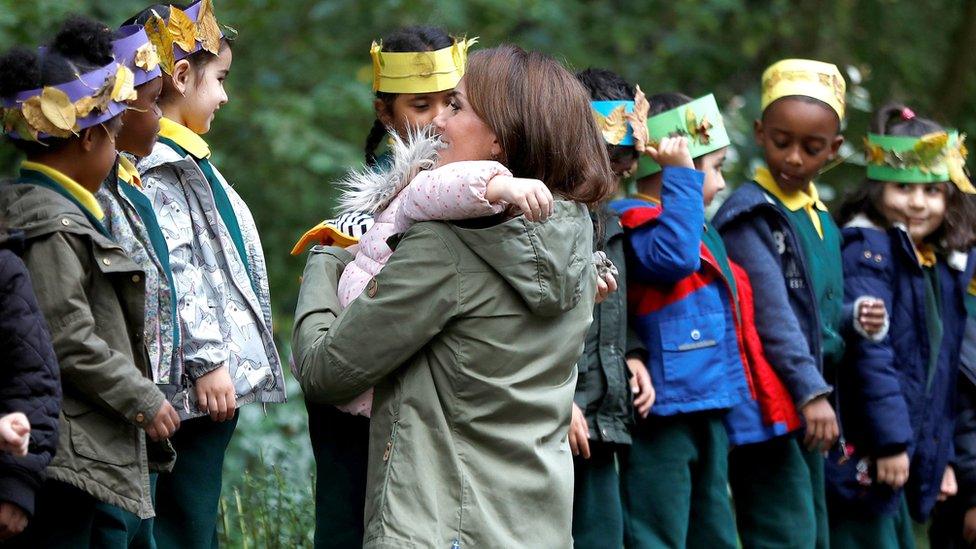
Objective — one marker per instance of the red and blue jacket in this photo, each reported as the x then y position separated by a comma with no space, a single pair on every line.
679,301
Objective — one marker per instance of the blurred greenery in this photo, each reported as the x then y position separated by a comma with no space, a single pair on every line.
301,105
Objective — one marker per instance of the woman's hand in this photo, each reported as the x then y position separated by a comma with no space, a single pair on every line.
529,195
164,424
641,386
822,428
949,486
671,151
893,470
15,434
605,285
579,434
216,395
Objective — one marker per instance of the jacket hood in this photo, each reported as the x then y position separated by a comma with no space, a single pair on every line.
37,211
12,239
548,264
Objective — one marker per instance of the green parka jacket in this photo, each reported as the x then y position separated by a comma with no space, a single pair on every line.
93,298
471,337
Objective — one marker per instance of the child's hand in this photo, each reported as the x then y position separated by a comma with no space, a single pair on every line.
166,422
15,434
672,151
13,520
969,526
949,487
216,395
822,428
579,434
872,315
641,386
530,195
893,470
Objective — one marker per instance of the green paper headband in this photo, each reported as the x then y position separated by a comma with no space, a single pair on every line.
935,157
700,121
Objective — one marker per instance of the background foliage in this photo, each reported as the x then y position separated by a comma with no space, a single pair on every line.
301,106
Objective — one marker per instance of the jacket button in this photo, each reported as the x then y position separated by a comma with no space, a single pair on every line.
695,335
878,258
65,222
604,432
140,417
106,261
136,278
371,288
867,254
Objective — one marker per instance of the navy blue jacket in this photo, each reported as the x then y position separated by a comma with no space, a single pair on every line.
29,377
761,238
889,401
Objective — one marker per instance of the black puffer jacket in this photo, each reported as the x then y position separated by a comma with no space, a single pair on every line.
29,377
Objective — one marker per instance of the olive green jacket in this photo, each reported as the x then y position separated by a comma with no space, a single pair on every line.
471,336
93,298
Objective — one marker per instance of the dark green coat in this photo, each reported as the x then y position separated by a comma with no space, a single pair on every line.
603,388
93,298
470,337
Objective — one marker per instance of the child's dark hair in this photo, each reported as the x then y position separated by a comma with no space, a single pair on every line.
198,59
81,45
604,85
958,230
406,39
663,102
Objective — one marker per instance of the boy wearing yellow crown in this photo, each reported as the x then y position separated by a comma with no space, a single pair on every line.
777,228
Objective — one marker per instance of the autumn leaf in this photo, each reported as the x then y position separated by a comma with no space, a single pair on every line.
14,122
930,147
146,57
208,32
38,121
162,40
124,89
638,120
182,29
690,121
613,126
873,153
57,108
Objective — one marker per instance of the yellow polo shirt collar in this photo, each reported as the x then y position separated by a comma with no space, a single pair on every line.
808,201
184,137
128,172
926,256
81,194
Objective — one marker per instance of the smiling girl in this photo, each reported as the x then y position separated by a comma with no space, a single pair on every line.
901,230
229,355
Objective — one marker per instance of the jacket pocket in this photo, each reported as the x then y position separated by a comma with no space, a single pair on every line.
389,452
690,349
97,436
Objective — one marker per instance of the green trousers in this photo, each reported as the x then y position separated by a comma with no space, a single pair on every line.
881,532
64,518
773,495
818,486
188,498
598,513
340,443
117,528
675,484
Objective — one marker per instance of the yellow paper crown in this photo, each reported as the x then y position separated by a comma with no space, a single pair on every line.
422,71
816,79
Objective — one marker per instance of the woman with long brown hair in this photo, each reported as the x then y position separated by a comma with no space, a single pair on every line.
471,332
